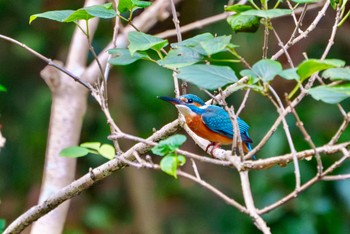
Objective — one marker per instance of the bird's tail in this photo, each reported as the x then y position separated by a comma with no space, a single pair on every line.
247,148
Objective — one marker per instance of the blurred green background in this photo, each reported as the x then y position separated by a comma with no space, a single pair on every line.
112,206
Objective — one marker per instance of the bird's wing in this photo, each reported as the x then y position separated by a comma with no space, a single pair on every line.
220,122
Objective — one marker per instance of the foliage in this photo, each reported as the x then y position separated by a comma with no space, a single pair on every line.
167,149
104,150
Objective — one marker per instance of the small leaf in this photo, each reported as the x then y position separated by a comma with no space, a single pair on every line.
208,76
122,56
181,57
337,73
125,5
215,45
104,11
238,8
169,145
290,74
181,160
168,164
265,69
91,145
309,67
141,4
271,13
74,152
3,88
59,16
107,151
330,94
244,23
140,41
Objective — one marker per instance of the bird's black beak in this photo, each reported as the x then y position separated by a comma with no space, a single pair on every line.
171,100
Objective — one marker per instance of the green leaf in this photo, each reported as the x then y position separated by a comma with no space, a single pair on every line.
337,73
181,160
122,56
215,45
330,94
2,225
125,5
3,88
140,42
169,145
104,11
168,164
141,4
244,23
59,16
238,8
290,74
107,151
181,57
74,152
91,145
271,13
309,67
193,41
208,76
265,69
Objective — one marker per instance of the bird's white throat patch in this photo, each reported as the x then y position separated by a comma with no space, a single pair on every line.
185,111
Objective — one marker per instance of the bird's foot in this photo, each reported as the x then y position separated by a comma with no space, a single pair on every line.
214,145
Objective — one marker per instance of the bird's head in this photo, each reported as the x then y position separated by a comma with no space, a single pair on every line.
189,99
188,104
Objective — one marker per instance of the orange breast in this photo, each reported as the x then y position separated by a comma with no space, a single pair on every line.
198,127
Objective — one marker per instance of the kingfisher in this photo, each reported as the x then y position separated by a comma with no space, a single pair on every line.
210,122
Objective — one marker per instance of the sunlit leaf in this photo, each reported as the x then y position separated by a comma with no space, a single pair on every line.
180,57
107,151
265,69
330,94
337,73
169,145
271,13
238,8
244,23
140,42
122,56
309,67
91,145
181,160
168,164
208,76
125,5
74,152
141,4
290,74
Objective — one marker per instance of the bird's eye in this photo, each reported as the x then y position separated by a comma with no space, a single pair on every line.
190,100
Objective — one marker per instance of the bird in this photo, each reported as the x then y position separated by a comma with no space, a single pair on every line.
210,122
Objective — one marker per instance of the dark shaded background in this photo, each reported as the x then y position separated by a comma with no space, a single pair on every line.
182,206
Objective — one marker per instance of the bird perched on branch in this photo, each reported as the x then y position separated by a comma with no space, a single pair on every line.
210,122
